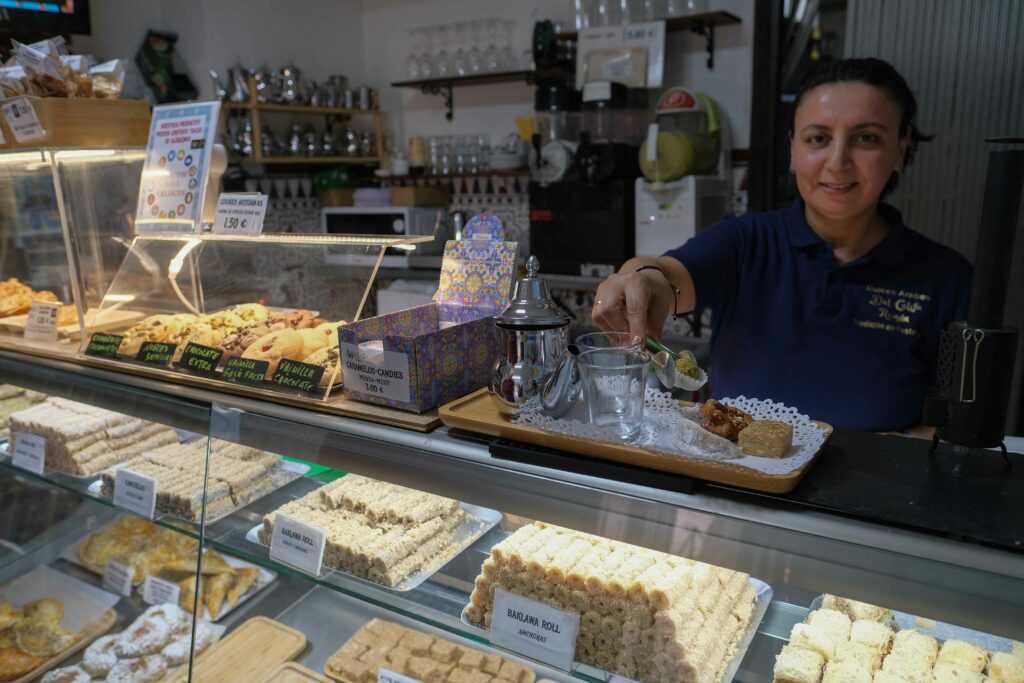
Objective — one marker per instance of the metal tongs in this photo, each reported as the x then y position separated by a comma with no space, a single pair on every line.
664,362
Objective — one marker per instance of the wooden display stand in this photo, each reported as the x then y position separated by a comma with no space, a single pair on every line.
78,122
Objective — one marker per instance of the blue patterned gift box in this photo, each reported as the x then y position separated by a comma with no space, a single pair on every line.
449,344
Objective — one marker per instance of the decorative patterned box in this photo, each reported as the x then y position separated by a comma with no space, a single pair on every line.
423,357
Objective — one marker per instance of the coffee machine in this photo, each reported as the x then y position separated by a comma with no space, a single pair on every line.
968,405
583,168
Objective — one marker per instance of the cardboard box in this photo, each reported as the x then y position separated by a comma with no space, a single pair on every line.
424,357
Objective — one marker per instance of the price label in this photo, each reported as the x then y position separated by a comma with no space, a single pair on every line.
299,376
298,544
246,370
135,492
200,359
21,117
385,676
156,591
103,345
41,324
377,373
156,353
117,577
29,452
240,214
534,630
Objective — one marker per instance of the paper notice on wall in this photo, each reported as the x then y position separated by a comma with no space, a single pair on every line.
649,36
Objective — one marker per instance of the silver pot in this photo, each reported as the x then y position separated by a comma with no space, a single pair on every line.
533,334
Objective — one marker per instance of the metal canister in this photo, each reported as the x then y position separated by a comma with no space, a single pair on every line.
364,97
350,98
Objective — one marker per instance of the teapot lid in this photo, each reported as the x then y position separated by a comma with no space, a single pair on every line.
531,305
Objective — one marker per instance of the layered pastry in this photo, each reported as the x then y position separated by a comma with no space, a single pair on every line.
83,440
385,645
14,399
376,530
851,641
236,476
30,634
643,614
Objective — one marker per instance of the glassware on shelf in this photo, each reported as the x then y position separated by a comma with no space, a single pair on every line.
491,59
412,62
461,58
475,53
443,58
427,68
612,12
507,59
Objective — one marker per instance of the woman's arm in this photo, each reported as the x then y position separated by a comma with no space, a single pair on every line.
639,302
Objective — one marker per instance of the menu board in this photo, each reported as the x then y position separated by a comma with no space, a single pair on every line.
173,183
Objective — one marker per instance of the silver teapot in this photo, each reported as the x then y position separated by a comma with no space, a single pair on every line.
534,337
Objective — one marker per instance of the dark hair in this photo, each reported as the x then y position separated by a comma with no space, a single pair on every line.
881,75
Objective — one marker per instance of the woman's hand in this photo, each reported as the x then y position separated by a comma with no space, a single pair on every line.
639,302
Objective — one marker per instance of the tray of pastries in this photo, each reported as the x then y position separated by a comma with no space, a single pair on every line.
385,645
247,331
843,640
67,321
15,399
227,582
45,617
16,298
153,646
234,476
644,614
390,535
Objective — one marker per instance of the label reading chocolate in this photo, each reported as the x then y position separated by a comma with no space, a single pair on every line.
200,359
156,353
300,376
245,371
103,345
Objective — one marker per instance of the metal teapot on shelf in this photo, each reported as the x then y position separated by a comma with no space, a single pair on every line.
536,357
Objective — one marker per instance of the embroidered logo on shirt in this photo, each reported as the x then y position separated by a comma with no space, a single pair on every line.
896,310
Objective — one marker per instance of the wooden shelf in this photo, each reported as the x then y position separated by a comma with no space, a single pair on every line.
441,176
297,109
435,84
311,160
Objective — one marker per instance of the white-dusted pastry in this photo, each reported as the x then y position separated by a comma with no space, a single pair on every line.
846,672
798,665
831,621
100,656
67,674
146,636
814,638
172,614
871,633
948,672
965,654
1005,668
148,669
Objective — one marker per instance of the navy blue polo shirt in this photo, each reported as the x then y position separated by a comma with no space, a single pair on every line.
852,344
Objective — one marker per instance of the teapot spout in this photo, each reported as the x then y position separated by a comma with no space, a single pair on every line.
562,387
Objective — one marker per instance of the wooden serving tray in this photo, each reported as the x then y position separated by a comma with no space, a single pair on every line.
257,646
96,628
290,672
477,413
95,321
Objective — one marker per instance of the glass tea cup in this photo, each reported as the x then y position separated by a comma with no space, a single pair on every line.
613,389
609,340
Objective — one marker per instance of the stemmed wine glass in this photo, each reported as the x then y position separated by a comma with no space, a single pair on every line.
507,59
461,58
426,61
491,60
443,59
475,54
412,62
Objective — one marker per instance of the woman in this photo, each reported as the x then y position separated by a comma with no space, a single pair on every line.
833,306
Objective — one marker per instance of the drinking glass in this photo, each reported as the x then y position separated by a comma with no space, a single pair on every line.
507,59
475,54
613,389
427,68
609,340
491,60
412,62
443,58
460,60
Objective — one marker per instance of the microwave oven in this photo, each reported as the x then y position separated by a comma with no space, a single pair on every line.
388,221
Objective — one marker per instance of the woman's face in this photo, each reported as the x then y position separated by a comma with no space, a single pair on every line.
846,142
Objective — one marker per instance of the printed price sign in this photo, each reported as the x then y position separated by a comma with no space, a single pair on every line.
381,373
299,376
156,353
103,345
21,117
156,591
29,452
117,577
534,629
385,676
298,544
246,371
240,214
42,321
135,492
200,359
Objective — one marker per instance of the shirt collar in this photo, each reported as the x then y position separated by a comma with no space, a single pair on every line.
889,252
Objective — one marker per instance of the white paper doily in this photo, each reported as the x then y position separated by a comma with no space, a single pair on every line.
670,428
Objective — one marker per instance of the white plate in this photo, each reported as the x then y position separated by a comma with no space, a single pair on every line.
479,521
82,603
288,472
762,598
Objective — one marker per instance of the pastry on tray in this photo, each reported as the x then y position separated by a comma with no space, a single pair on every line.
723,420
30,634
766,438
329,358
274,346
384,645
16,298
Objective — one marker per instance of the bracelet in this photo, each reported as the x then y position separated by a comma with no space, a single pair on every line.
675,290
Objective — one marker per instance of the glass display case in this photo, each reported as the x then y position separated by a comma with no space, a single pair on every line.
64,231
378,553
